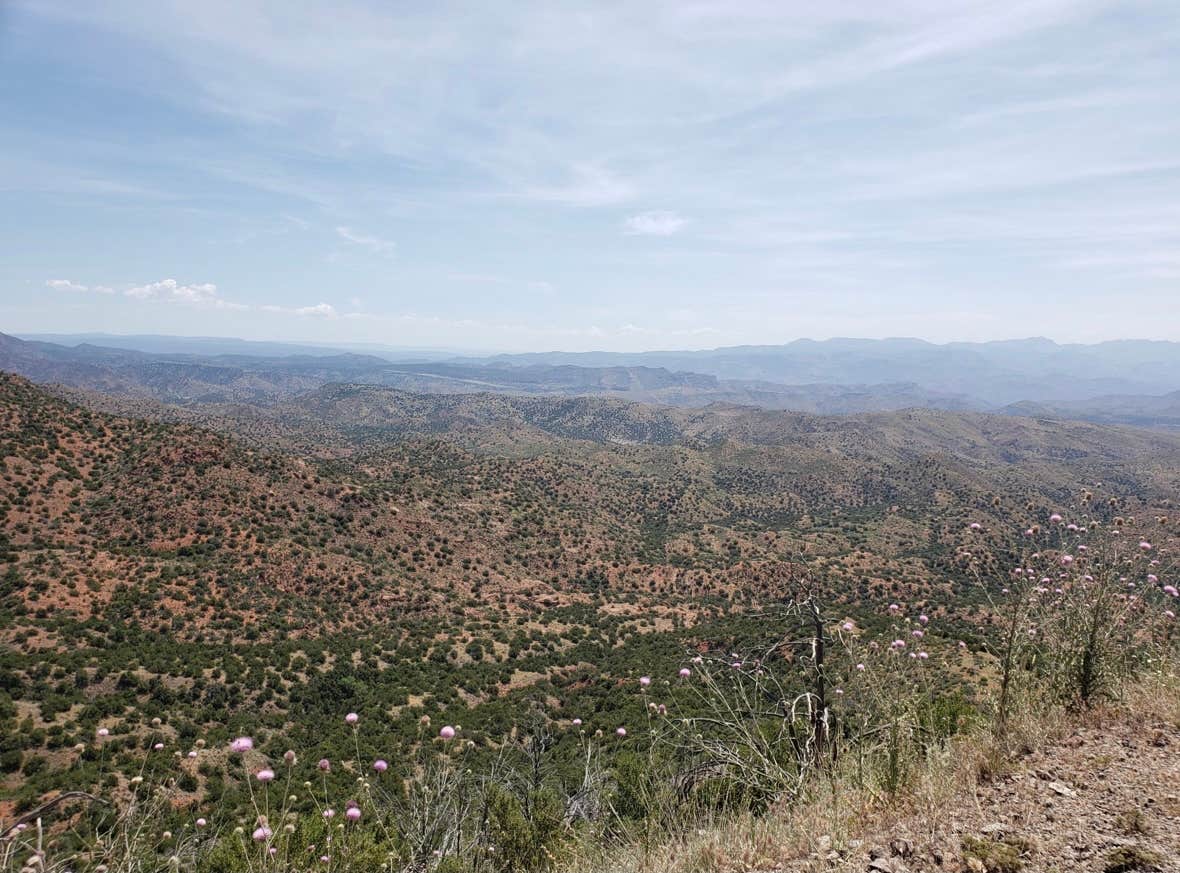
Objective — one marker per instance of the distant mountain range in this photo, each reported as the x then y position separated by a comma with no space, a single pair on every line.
1131,382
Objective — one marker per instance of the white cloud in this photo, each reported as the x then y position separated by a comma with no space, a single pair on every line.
372,243
171,291
64,285
323,310
656,223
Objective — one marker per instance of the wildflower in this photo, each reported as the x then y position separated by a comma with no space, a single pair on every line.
241,744
645,681
897,644
685,672
622,732
976,526
329,813
447,732
380,766
1171,591
192,753
918,634
324,764
962,645
201,822
1066,560
894,608
352,718
262,834
265,775
924,619
158,746
136,780
846,627
1055,518
1169,613
577,722
922,656
353,813
1145,545
860,667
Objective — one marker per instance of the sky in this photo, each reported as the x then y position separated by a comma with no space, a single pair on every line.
575,176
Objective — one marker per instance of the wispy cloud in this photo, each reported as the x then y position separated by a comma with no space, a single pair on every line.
372,243
65,285
657,223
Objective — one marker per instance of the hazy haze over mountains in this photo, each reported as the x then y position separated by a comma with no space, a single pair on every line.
1129,381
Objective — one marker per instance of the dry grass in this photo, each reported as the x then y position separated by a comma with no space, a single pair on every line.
825,830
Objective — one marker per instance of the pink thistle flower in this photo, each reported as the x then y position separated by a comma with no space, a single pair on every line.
380,765
158,746
922,656
329,813
645,681
1145,545
1152,578
1055,518
241,744
685,672
352,718
324,765
918,634
1066,560
577,722
103,732
353,813
193,753
622,732
860,668
262,834
201,822
976,526
924,619
962,645
894,608
264,776
1171,590
1169,613
846,627
447,732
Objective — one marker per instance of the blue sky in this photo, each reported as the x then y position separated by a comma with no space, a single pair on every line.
591,176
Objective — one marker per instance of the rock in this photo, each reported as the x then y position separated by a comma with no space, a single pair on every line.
994,829
902,848
877,852
888,865
1062,789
